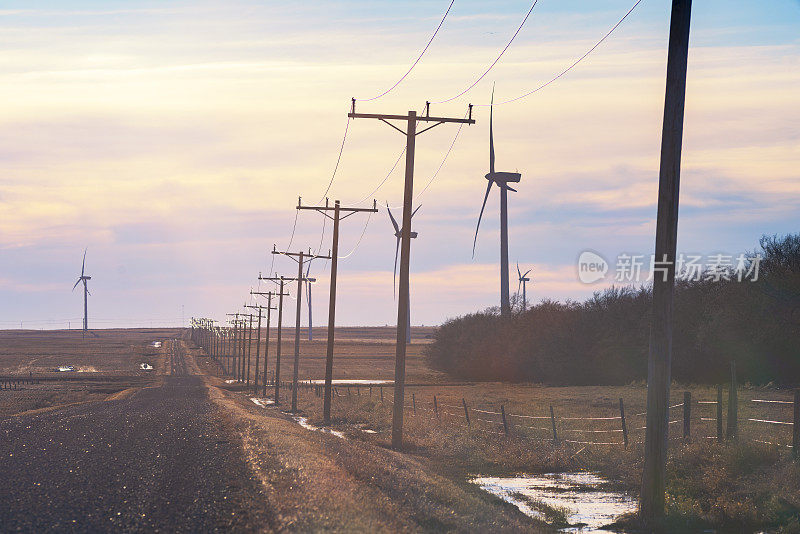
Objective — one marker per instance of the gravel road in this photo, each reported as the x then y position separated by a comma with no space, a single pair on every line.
159,460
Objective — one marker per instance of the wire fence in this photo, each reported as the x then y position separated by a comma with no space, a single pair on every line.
688,421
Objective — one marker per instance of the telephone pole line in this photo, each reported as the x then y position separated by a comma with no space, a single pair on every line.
411,133
232,343
269,308
258,346
652,497
301,258
281,281
337,210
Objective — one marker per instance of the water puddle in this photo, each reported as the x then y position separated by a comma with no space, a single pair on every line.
156,344
231,381
262,402
576,501
303,421
353,382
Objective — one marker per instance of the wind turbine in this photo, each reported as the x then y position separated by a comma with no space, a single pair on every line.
501,179
523,280
398,233
83,278
309,281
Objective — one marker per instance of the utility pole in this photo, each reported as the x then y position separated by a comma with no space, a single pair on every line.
269,308
258,347
337,210
246,363
231,342
651,503
411,134
281,281
300,257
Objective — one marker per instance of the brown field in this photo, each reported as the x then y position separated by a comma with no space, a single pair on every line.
736,486
729,485
105,362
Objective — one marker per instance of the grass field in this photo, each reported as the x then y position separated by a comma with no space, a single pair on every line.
105,362
735,486
742,485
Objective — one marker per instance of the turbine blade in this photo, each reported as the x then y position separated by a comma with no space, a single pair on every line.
83,265
416,210
394,280
76,284
519,285
474,241
394,222
526,272
491,134
518,271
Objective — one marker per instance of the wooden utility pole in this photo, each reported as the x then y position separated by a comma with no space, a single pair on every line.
232,343
258,346
249,349
269,308
651,503
280,280
410,133
301,258
337,210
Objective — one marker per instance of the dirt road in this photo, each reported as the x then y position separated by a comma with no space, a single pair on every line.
189,456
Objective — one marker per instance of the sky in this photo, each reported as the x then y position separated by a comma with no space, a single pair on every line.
173,139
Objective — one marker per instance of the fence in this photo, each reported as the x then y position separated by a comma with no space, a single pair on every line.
690,419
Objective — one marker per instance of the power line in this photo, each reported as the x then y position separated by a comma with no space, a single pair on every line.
358,243
435,174
338,160
496,60
370,194
563,72
403,77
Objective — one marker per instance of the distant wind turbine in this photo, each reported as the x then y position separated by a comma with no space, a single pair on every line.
501,179
84,278
523,280
398,233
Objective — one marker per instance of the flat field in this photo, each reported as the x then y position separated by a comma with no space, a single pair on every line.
744,484
104,362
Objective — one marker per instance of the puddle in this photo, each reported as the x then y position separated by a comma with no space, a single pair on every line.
303,421
146,367
586,506
66,369
231,381
262,402
353,382
368,431
156,344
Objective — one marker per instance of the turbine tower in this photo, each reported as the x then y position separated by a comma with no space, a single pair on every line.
83,278
397,234
309,281
501,179
523,280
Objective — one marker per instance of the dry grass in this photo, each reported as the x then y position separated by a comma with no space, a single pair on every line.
106,362
734,486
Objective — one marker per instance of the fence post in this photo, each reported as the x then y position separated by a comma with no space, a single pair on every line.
414,403
505,423
553,420
732,405
687,414
719,414
796,426
466,413
381,394
370,391
435,407
624,426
